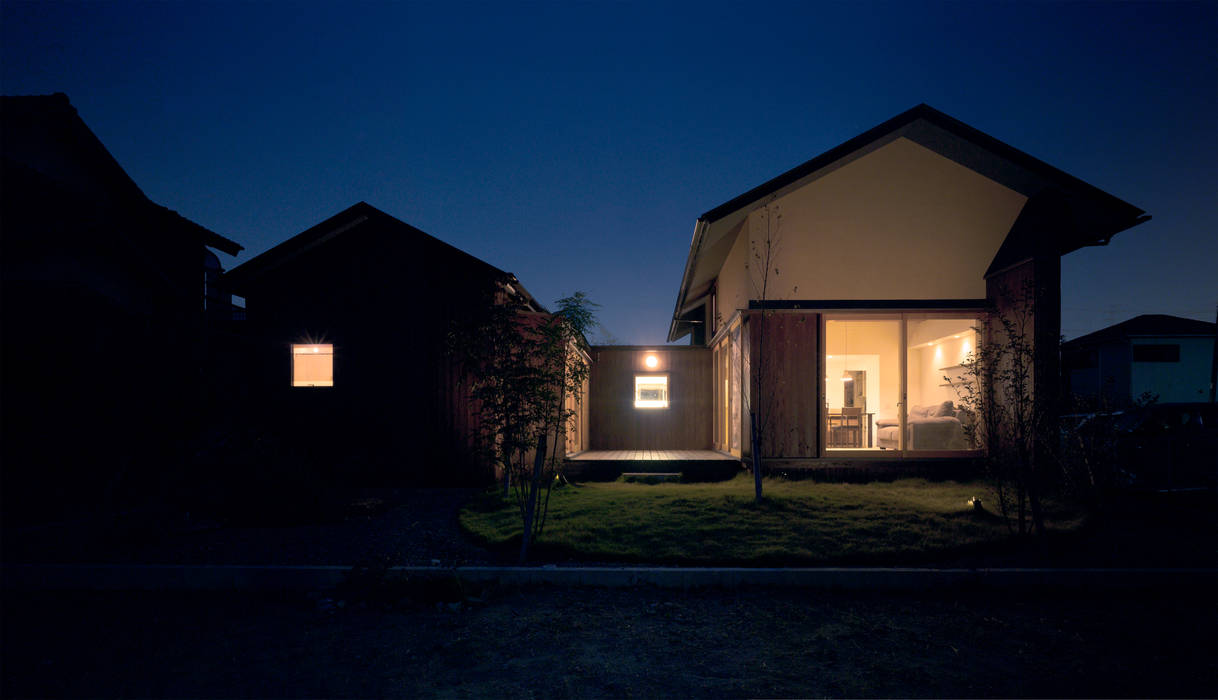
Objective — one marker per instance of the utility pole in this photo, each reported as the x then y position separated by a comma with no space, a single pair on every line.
1214,362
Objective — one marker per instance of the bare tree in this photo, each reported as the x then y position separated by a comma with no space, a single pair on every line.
763,271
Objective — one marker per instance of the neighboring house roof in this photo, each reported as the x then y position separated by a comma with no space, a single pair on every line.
350,219
1094,216
44,134
1146,326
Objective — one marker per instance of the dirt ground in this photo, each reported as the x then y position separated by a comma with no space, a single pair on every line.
610,643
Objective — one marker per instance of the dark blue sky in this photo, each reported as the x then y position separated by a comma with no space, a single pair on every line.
575,144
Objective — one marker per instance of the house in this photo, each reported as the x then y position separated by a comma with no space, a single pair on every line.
1169,357
103,323
346,327
842,297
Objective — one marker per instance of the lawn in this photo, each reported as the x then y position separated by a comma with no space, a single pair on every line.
800,522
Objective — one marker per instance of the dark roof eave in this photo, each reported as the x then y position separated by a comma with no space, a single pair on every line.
338,224
208,237
1144,326
695,245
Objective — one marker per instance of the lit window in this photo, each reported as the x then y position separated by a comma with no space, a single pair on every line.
312,365
650,391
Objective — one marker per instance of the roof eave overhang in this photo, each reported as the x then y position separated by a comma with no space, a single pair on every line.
209,238
676,329
921,124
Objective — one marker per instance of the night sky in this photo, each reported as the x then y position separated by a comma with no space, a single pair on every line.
575,144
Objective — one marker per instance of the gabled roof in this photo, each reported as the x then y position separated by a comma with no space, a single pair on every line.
1147,326
344,222
1095,215
35,127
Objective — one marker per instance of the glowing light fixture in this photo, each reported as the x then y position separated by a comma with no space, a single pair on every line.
651,361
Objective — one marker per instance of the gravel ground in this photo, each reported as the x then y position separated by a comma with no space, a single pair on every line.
400,527
642,642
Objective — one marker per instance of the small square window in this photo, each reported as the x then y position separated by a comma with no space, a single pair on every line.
312,365
1156,353
650,391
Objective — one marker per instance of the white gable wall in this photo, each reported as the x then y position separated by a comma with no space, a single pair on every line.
734,287
901,222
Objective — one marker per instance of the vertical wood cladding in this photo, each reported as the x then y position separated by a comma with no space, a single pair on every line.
617,425
787,361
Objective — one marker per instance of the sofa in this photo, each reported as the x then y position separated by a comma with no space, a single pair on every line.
937,427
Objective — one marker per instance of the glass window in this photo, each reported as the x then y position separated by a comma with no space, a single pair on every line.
937,350
312,365
862,383
651,391
897,382
1156,353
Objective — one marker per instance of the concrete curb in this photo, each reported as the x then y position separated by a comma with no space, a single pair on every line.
113,577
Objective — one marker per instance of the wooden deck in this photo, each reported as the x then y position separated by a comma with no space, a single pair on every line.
693,465
653,456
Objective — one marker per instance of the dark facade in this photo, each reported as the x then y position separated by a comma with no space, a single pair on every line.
1170,358
381,296
104,335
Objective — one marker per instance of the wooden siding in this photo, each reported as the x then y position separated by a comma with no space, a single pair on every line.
615,424
576,440
790,402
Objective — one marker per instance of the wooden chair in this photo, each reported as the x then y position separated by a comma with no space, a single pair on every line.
848,431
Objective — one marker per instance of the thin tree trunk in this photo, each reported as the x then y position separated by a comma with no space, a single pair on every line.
506,459
1023,513
755,439
539,460
1038,516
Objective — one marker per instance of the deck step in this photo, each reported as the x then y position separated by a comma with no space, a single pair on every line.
688,470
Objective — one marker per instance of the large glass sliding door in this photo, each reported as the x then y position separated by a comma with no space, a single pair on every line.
937,350
862,381
893,383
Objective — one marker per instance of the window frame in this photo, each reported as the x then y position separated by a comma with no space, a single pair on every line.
1156,353
652,404
318,352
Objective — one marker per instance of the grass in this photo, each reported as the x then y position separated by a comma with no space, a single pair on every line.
799,522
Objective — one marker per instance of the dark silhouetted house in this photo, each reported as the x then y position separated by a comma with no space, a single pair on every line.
102,321
887,253
1169,357
348,362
